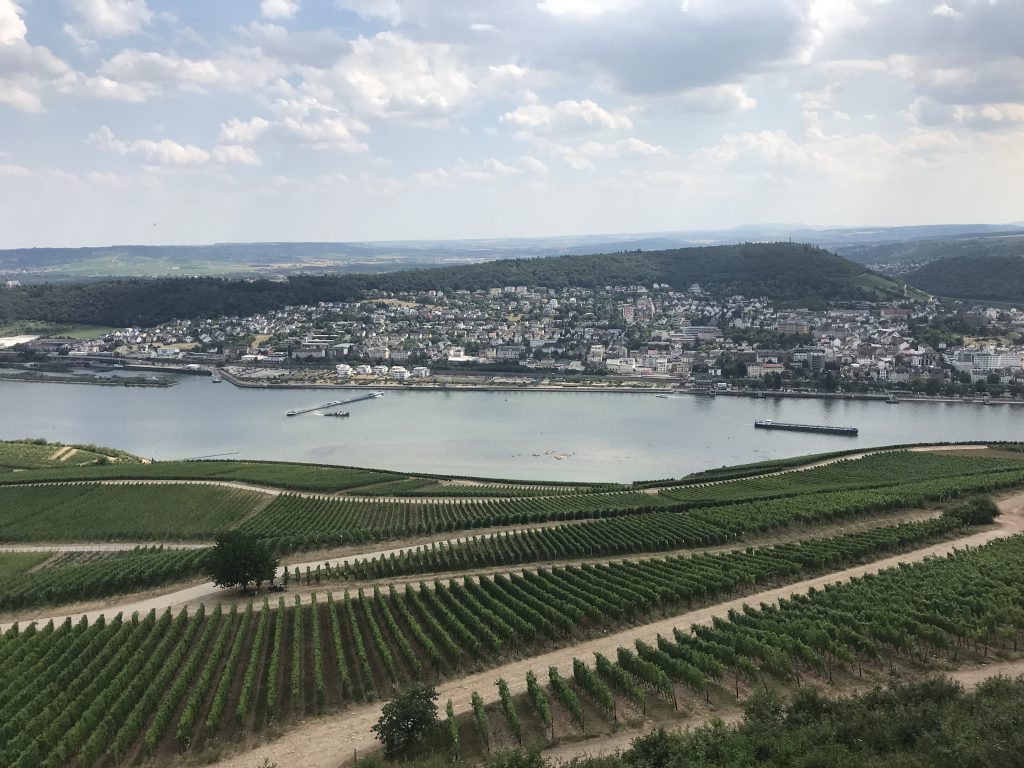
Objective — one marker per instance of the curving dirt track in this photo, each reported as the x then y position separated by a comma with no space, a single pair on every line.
328,741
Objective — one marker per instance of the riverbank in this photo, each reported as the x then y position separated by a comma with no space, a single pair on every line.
86,378
663,389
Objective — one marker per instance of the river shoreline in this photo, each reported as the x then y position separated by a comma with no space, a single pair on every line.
653,390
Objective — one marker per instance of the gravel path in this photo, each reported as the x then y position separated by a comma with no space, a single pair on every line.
121,546
328,741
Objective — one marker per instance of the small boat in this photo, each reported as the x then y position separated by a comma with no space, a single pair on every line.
663,397
891,400
215,379
338,414
291,413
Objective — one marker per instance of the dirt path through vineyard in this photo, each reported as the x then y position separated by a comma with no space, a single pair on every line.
607,745
329,741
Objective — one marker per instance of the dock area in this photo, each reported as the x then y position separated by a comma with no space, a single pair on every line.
335,404
819,428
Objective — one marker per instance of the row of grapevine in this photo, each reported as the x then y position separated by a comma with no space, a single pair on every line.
660,531
54,669
116,573
298,522
967,602
876,471
121,512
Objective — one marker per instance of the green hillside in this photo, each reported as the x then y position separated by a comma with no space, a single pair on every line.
919,252
787,273
993,278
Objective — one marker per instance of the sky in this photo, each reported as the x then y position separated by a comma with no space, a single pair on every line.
197,121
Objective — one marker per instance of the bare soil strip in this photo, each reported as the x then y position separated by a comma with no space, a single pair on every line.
329,741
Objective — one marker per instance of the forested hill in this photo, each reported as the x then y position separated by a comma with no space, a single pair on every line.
995,278
787,273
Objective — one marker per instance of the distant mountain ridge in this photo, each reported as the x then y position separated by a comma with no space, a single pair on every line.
787,273
264,259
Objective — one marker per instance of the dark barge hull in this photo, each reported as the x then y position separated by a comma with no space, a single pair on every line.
849,431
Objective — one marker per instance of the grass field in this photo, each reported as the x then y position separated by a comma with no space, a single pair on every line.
18,563
283,475
120,512
38,454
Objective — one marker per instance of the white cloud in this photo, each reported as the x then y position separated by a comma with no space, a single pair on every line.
236,131
13,170
164,151
390,75
237,70
20,98
101,87
278,9
762,149
585,9
235,153
307,120
532,164
568,114
947,11
389,10
485,171
481,27
728,97
109,18
621,148
26,71
11,25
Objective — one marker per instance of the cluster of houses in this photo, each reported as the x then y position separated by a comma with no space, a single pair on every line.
626,331
395,372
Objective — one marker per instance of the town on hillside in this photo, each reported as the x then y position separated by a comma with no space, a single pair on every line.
622,335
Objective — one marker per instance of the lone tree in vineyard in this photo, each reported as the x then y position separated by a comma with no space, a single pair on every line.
406,719
238,558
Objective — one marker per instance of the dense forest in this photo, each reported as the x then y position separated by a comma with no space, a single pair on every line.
993,278
787,273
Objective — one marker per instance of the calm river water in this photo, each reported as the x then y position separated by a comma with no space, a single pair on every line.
599,436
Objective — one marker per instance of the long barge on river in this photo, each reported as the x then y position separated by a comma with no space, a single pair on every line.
819,428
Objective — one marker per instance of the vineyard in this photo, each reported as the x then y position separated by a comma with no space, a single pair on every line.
304,522
125,512
876,471
112,574
965,607
161,684
572,565
17,563
35,454
661,531
305,477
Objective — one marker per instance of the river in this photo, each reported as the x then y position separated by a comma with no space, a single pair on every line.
579,436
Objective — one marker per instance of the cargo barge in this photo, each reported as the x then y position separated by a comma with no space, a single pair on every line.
769,424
